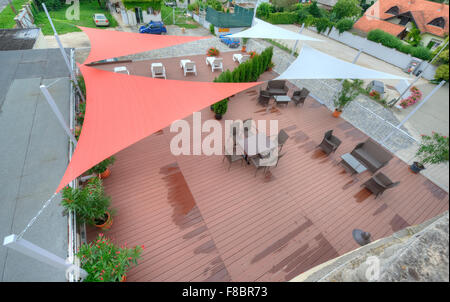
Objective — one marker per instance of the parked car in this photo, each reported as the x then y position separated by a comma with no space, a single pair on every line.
100,20
230,42
154,27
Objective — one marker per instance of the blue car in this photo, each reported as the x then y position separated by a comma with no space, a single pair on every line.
154,27
230,42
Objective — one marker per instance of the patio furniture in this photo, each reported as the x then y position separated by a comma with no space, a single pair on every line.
216,63
300,96
121,69
248,126
237,57
282,99
372,155
264,97
256,161
329,143
379,183
277,87
158,70
233,158
282,137
352,164
188,66
276,160
256,144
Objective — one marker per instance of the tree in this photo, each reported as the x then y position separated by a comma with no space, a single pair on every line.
285,4
314,10
414,36
346,8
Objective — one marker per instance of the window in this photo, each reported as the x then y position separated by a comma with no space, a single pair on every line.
393,10
439,22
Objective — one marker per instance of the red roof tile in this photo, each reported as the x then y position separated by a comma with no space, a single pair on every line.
422,11
366,24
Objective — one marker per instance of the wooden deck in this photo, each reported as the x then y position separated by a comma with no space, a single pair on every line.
201,222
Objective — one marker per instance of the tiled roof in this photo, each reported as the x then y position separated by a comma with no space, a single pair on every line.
422,11
367,23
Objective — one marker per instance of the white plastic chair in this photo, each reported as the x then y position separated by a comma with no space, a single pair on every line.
216,63
237,57
188,66
158,70
121,69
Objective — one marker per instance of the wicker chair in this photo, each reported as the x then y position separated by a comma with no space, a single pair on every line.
329,143
264,97
277,87
379,183
371,155
282,137
300,96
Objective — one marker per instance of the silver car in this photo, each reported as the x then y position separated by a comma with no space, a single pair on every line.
100,20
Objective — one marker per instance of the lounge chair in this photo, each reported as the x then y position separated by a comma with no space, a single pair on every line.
233,158
188,66
277,87
329,143
371,155
379,183
299,96
216,63
237,57
264,97
158,70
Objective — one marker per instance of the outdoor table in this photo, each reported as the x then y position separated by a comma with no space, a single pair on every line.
348,161
282,99
256,144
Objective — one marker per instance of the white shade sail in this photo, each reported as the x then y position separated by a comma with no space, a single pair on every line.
313,64
264,30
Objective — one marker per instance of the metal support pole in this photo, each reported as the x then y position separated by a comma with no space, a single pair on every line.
31,250
61,48
58,114
394,101
296,42
415,109
342,81
254,13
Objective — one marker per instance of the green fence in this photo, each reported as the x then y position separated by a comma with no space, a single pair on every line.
242,17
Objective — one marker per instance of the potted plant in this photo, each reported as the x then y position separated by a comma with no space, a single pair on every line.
106,262
244,44
270,66
212,52
102,168
220,108
432,150
90,203
348,92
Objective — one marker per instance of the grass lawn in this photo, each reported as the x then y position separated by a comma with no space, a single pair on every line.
7,15
182,21
63,25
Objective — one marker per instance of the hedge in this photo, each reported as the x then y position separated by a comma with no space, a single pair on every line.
388,40
344,25
442,73
283,18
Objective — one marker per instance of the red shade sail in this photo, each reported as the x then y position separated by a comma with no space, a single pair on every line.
107,44
123,109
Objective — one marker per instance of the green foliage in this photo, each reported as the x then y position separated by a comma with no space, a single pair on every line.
346,8
106,262
344,25
263,10
89,203
7,15
348,92
391,41
156,5
442,73
284,4
102,166
444,57
414,36
322,24
314,10
434,149
221,107
438,49
283,18
211,29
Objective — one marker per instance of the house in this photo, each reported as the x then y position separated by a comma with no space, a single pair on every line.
398,16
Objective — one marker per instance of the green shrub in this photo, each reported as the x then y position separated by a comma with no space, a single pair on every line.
322,24
314,10
264,9
211,29
421,53
344,25
346,8
388,40
442,73
406,48
283,18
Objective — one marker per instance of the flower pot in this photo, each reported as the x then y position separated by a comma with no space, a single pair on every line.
105,174
336,113
416,167
218,116
107,223
244,48
123,279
